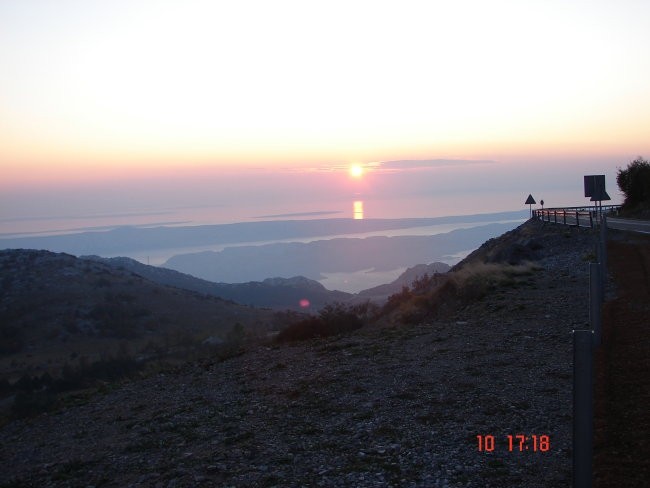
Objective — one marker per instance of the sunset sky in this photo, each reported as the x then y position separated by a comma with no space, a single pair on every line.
176,93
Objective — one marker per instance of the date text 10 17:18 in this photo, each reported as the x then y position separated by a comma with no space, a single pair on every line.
516,443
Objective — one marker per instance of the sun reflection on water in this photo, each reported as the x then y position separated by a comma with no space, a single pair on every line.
358,210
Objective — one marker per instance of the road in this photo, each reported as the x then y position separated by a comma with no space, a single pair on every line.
640,226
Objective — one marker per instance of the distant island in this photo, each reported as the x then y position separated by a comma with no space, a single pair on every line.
239,264
140,240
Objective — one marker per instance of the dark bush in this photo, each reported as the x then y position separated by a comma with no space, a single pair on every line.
300,331
112,369
27,404
5,386
333,320
634,182
11,340
34,395
397,299
25,383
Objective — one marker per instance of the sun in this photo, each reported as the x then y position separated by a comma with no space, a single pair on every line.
356,171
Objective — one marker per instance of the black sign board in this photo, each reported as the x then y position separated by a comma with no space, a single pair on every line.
595,188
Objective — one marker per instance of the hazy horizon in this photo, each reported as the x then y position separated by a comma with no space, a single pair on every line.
249,195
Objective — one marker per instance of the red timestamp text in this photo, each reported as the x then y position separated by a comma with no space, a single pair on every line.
515,443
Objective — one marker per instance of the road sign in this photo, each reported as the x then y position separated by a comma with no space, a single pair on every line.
595,187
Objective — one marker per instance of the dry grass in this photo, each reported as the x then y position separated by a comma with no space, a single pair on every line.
492,274
473,281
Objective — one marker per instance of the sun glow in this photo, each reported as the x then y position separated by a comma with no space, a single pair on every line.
356,171
358,209
133,100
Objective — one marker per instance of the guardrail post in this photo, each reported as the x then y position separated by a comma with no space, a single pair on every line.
603,253
564,217
577,218
591,220
582,408
595,301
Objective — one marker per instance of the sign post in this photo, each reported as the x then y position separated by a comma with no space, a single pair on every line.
595,190
530,201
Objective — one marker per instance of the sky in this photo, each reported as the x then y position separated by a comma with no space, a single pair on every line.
130,105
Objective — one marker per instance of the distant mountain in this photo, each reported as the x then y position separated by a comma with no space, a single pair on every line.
56,308
277,293
130,240
312,259
381,292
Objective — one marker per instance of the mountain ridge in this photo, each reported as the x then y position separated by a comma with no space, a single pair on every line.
274,292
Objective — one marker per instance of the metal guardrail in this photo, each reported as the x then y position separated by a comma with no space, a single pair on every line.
585,343
575,216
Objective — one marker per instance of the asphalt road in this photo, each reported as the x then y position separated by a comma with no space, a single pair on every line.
641,226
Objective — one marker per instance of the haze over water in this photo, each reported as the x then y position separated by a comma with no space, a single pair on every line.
395,208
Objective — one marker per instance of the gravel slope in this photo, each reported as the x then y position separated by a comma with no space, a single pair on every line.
396,406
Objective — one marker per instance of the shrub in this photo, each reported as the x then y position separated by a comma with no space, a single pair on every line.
634,182
333,319
5,386
237,334
396,299
11,340
27,404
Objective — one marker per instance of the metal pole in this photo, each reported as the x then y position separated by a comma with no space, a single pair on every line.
582,408
603,254
595,301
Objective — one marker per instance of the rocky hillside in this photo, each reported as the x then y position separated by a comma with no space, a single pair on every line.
57,309
392,405
277,293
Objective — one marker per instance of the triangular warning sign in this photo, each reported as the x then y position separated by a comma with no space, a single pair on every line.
530,200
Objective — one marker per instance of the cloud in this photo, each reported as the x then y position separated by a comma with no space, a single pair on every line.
415,164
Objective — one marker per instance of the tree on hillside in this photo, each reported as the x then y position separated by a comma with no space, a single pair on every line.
634,183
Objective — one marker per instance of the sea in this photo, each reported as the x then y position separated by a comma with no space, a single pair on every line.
354,208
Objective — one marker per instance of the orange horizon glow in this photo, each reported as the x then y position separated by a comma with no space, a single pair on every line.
132,102
56,169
